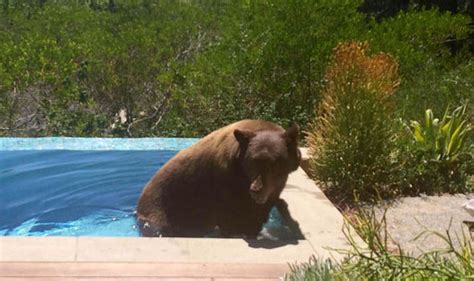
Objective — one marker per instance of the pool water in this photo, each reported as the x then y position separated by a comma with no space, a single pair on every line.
82,193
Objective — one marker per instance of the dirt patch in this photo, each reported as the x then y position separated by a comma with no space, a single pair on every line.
408,217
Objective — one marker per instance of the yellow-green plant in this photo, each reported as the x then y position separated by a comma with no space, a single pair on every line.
437,157
445,138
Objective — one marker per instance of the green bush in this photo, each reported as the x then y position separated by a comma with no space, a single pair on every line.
436,88
268,62
184,68
437,157
351,142
67,69
433,75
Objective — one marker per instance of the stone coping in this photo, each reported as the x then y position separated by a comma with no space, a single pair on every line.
118,271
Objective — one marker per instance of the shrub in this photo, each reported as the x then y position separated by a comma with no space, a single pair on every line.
433,74
436,88
184,68
67,68
437,157
268,64
351,139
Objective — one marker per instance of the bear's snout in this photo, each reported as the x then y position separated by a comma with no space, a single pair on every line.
258,197
256,191
257,184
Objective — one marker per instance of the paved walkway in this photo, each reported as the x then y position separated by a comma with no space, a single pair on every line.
47,271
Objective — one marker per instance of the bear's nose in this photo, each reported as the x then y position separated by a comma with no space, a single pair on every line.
257,184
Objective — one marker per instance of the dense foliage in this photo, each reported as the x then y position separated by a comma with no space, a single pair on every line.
184,68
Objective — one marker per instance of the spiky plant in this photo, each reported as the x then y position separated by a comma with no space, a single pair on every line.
443,139
350,140
438,156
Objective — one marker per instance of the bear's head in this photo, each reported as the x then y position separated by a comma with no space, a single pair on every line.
267,157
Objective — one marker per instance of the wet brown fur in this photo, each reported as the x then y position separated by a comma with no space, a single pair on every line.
206,185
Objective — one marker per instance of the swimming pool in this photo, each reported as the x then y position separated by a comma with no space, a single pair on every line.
83,186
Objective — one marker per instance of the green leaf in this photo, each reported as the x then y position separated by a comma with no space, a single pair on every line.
418,132
454,140
428,119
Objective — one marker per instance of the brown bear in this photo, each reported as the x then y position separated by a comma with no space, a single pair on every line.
229,180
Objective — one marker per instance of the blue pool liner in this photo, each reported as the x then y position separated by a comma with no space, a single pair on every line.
81,191
68,143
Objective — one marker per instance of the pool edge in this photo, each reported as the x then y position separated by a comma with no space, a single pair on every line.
99,144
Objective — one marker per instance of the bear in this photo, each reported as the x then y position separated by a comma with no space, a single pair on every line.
228,181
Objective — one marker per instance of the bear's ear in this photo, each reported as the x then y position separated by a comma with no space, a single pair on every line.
291,134
243,136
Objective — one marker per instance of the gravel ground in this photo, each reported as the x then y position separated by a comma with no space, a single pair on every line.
408,217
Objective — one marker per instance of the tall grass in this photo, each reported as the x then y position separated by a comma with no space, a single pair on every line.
376,259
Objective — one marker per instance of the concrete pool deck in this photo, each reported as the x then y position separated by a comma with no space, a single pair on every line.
109,258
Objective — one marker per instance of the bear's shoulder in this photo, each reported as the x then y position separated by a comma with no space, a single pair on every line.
221,146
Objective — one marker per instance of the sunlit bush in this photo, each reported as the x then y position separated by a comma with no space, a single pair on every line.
350,141
184,68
